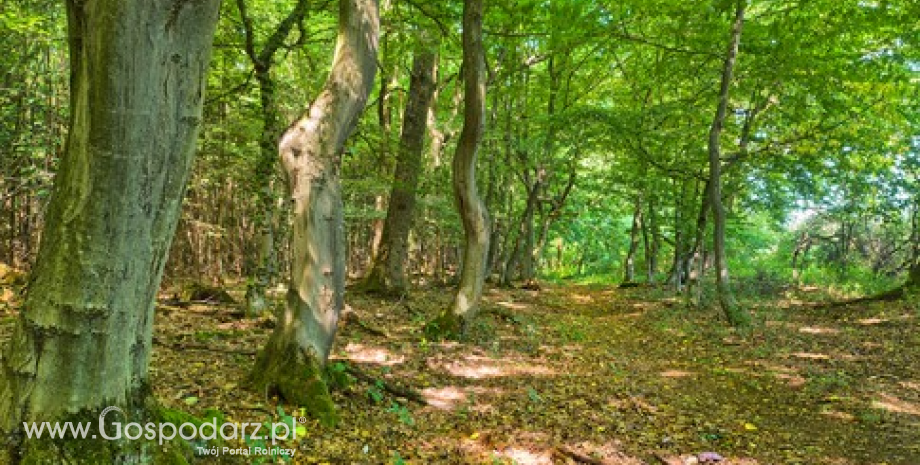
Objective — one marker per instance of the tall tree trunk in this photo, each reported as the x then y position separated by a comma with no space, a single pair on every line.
652,240
83,340
388,274
523,242
695,257
310,153
261,274
456,319
629,268
735,315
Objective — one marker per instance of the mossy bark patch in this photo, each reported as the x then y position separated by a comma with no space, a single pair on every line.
297,376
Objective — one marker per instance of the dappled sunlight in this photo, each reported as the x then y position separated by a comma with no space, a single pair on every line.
818,330
453,397
838,415
788,375
676,374
525,456
644,306
479,367
895,405
872,321
582,299
361,353
445,398
811,356
914,385
513,305
793,381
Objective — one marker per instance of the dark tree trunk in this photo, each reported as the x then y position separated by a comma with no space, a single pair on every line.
388,274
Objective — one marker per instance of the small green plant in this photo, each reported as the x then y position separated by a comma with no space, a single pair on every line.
397,459
533,395
375,392
403,413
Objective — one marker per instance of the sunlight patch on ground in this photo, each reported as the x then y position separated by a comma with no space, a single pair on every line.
872,321
818,330
910,385
811,356
793,381
895,405
789,375
513,305
644,306
479,367
838,415
525,456
676,374
361,353
445,398
581,298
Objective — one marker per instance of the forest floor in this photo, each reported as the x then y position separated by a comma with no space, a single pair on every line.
580,374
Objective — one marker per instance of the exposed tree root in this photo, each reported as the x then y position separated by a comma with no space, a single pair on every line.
351,317
406,393
891,295
564,452
207,347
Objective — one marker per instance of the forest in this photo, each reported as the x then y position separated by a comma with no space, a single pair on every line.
460,232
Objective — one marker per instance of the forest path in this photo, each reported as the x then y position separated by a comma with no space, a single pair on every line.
620,376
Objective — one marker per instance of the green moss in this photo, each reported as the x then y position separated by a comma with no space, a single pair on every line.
298,377
446,326
92,450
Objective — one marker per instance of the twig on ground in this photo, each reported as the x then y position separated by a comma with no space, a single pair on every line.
195,346
406,393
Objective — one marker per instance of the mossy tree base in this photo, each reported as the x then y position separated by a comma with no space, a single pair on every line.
447,325
297,376
376,284
94,449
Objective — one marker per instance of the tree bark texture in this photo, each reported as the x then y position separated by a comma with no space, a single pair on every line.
82,342
310,152
723,288
629,272
264,269
388,274
473,213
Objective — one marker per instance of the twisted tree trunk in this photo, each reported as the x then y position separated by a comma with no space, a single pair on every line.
310,155
456,319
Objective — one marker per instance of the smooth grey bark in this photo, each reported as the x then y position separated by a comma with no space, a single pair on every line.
83,340
261,274
456,319
736,316
310,152
388,274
